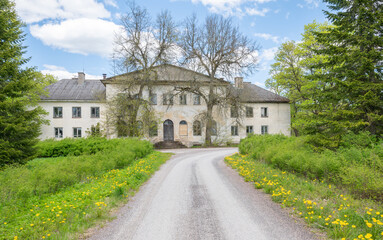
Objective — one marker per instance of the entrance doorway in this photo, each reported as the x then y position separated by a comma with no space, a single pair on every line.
168,130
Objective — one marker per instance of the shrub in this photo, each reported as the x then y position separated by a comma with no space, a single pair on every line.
357,165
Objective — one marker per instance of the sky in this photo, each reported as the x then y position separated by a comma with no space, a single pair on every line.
64,37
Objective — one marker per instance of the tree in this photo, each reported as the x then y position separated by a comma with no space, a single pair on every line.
217,49
139,48
354,66
20,89
291,76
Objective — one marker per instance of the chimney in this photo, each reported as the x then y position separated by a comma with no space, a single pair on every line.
81,78
238,82
104,76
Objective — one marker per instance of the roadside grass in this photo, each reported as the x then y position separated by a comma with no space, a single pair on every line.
65,213
321,204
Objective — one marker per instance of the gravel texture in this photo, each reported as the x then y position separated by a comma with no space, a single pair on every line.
196,196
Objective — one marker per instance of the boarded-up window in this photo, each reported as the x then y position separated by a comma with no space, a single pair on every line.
183,128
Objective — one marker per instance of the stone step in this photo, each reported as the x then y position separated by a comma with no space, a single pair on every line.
169,145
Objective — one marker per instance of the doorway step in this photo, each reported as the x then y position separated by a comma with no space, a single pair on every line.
169,145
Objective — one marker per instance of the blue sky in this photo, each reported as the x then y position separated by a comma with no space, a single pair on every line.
68,36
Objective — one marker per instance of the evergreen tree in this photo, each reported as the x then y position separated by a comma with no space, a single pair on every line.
353,97
20,89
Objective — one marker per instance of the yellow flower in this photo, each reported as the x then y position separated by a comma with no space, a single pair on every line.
369,224
31,224
353,226
5,223
368,235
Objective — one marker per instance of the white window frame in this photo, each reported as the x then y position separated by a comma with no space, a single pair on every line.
77,132
57,131
54,112
264,129
76,114
96,115
264,112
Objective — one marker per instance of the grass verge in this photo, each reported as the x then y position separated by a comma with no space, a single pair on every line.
320,204
65,213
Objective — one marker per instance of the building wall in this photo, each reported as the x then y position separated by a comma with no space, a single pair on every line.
67,122
277,121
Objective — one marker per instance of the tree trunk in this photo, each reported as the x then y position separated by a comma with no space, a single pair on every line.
209,116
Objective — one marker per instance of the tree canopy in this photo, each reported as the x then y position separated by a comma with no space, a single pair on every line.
20,88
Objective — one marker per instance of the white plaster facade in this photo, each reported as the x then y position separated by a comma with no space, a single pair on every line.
277,119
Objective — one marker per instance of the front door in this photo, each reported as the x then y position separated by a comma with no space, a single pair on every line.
168,130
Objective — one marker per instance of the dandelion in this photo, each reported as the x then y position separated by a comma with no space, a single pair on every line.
31,224
368,235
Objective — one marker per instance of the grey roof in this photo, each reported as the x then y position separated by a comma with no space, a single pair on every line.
70,89
251,93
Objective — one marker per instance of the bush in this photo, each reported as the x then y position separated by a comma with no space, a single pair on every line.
357,165
48,175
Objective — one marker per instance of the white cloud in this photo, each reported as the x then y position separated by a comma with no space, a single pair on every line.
62,73
260,84
268,54
287,15
83,36
268,37
234,7
312,3
111,3
32,11
300,5
256,12
252,24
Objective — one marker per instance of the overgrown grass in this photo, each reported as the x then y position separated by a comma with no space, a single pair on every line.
49,175
357,166
27,192
320,204
66,211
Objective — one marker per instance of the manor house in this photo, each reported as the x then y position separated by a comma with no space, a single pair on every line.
76,106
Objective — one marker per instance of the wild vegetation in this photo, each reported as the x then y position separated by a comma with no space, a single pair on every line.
62,194
334,76
321,204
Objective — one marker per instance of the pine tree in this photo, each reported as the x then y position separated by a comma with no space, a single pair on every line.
20,88
353,72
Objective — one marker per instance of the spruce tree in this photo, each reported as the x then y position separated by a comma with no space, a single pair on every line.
352,73
20,87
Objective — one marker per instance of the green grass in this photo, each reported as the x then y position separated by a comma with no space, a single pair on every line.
68,211
357,166
321,204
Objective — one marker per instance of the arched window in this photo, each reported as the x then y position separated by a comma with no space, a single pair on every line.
183,128
197,128
213,128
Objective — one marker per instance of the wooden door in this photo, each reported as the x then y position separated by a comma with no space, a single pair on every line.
168,130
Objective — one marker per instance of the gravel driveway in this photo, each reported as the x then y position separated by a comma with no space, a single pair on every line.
196,196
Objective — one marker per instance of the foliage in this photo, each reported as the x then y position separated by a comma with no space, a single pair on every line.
63,214
357,168
47,176
318,203
354,70
20,118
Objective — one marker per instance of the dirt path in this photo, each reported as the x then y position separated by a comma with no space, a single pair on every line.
196,196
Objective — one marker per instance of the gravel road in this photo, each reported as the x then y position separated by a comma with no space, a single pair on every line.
196,196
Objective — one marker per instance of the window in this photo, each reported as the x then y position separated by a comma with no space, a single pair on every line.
234,112
167,99
249,112
183,99
264,129
77,132
213,128
183,128
153,98
59,132
196,99
264,112
197,128
234,130
249,130
153,130
57,112
76,112
95,112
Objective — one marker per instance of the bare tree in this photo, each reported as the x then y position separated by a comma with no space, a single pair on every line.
217,49
139,47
